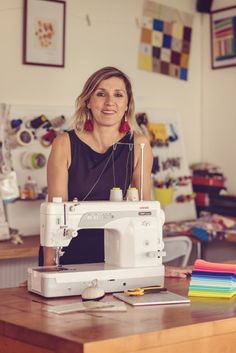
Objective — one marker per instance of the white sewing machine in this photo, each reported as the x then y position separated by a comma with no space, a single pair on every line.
133,246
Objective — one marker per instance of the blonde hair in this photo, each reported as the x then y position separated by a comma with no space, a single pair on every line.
82,111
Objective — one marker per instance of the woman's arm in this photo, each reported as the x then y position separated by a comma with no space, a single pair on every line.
182,272
57,180
147,167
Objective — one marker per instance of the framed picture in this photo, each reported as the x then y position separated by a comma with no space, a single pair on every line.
44,32
223,37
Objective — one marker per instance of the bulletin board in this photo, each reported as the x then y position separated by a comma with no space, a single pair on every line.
27,113
170,168
23,214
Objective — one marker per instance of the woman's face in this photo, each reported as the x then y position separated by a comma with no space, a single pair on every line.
109,102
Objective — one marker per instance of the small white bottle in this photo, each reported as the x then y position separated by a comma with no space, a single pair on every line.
30,188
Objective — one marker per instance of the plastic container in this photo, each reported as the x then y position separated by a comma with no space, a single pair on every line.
30,189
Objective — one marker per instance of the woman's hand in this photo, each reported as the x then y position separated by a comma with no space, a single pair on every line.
181,272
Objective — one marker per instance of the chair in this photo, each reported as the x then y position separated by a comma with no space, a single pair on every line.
177,247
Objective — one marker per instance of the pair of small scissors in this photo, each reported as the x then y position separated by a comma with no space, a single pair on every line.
145,290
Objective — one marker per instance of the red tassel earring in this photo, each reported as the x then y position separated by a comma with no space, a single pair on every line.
88,125
124,125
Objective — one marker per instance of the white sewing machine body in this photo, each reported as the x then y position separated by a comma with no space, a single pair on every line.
133,246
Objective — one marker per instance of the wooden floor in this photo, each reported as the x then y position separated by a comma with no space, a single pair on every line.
205,325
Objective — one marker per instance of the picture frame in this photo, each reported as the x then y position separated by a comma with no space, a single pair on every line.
223,37
44,32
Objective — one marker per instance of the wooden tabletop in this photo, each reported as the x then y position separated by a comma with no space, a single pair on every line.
205,325
29,248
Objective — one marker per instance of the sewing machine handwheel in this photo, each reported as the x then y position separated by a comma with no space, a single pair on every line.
92,293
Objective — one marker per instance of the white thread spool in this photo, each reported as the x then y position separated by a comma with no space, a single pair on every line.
116,194
132,194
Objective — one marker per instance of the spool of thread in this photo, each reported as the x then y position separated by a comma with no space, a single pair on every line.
38,121
30,160
132,194
15,123
58,121
116,194
47,139
23,137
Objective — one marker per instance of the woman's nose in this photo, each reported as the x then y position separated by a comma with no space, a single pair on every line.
109,100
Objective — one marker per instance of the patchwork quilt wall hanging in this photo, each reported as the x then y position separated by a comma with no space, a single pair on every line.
165,40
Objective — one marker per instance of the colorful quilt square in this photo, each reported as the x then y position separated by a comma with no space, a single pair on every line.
177,30
158,25
165,55
184,60
174,70
187,33
145,49
176,44
183,73
186,47
167,41
147,22
175,58
157,38
146,35
156,65
145,62
168,28
164,68
156,52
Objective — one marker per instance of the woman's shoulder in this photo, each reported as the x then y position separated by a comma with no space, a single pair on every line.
62,136
61,149
61,141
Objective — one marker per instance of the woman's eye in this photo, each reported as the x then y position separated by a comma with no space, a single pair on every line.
100,94
119,95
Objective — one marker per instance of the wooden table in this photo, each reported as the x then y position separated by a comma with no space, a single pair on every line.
29,248
205,325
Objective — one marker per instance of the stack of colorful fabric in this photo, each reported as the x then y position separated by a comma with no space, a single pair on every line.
214,280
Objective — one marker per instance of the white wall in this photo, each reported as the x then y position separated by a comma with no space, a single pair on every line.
219,109
112,39
205,102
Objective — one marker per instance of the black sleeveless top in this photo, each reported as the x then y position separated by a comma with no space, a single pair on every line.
91,177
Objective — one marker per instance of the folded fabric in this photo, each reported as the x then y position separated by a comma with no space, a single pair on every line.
210,279
213,266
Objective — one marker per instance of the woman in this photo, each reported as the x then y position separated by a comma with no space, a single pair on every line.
102,151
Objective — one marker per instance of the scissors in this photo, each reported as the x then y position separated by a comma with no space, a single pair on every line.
145,290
